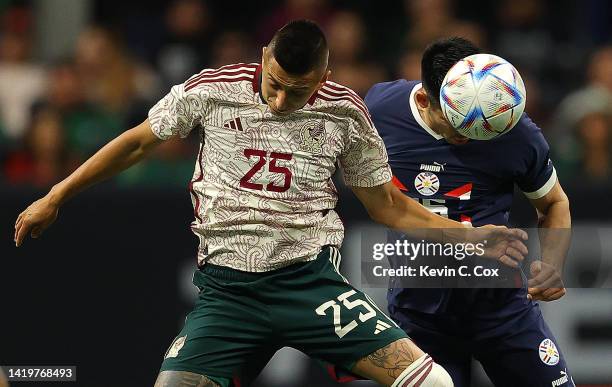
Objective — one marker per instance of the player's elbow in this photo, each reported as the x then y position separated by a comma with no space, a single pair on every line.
380,216
386,213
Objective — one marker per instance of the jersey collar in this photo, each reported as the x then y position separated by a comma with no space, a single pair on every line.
417,115
257,84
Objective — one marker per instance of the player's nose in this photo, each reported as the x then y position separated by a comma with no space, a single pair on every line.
281,100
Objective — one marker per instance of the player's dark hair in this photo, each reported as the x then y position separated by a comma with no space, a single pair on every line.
438,58
299,47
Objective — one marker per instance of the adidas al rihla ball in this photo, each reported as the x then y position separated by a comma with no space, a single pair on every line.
482,96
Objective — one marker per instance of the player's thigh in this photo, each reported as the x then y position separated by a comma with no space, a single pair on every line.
223,338
527,355
431,333
328,319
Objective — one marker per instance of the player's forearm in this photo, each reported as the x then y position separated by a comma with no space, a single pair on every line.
406,215
555,233
116,156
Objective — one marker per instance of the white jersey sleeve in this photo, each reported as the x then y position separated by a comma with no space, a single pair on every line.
178,112
364,160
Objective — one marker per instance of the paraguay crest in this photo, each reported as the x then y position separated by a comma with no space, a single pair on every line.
548,352
427,183
312,138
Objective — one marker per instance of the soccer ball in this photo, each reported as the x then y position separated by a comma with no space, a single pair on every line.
482,96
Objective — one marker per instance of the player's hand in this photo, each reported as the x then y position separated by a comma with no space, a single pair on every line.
545,283
35,219
504,244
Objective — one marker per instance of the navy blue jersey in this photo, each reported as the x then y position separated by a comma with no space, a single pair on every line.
472,183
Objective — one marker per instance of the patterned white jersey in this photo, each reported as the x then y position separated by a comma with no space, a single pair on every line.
261,190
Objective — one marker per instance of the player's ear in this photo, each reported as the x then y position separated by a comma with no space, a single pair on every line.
324,79
421,98
263,54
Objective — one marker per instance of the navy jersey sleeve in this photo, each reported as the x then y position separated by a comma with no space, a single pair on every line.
536,173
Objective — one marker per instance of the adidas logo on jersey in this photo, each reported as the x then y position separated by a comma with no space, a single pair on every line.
381,326
234,123
436,167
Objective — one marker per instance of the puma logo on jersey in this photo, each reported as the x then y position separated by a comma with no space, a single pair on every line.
234,123
436,167
562,380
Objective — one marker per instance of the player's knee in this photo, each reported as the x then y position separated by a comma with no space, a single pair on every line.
183,379
424,372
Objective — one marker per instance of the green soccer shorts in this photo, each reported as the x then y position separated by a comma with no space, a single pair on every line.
241,319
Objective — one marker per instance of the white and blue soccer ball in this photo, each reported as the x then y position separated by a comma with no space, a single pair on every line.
482,96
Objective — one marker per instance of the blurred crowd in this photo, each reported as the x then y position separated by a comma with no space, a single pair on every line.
56,112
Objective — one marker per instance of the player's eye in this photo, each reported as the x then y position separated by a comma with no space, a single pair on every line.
299,92
274,85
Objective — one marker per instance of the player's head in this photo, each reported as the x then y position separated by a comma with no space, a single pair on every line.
294,66
437,60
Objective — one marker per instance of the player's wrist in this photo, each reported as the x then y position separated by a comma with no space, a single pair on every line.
56,196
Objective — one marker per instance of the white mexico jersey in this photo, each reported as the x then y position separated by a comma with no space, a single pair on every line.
261,190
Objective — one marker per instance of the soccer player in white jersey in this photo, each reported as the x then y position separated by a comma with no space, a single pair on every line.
263,198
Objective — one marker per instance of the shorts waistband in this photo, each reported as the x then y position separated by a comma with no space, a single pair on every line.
227,273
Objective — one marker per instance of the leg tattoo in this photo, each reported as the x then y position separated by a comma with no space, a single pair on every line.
386,364
183,379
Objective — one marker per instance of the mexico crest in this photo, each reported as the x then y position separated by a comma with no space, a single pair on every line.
312,138
427,183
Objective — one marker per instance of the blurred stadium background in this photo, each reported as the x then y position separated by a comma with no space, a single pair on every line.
108,286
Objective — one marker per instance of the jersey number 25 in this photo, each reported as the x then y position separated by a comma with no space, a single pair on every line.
272,167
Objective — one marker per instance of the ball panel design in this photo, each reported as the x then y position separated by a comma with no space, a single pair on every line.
482,96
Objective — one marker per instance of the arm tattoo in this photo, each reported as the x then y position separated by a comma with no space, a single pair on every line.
183,379
394,358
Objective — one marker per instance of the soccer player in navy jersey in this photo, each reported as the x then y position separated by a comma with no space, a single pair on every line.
474,183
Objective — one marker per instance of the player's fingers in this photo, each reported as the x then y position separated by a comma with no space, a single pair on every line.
535,294
506,260
537,281
555,296
549,281
552,294
22,232
19,218
535,268
520,246
515,233
18,226
514,254
544,296
18,223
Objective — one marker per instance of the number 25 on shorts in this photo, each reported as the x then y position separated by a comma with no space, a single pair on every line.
340,330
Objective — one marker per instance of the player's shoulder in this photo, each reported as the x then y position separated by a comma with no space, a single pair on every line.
390,88
231,73
525,130
525,138
386,95
341,99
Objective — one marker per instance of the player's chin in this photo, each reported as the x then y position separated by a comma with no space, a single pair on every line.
458,140
281,113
